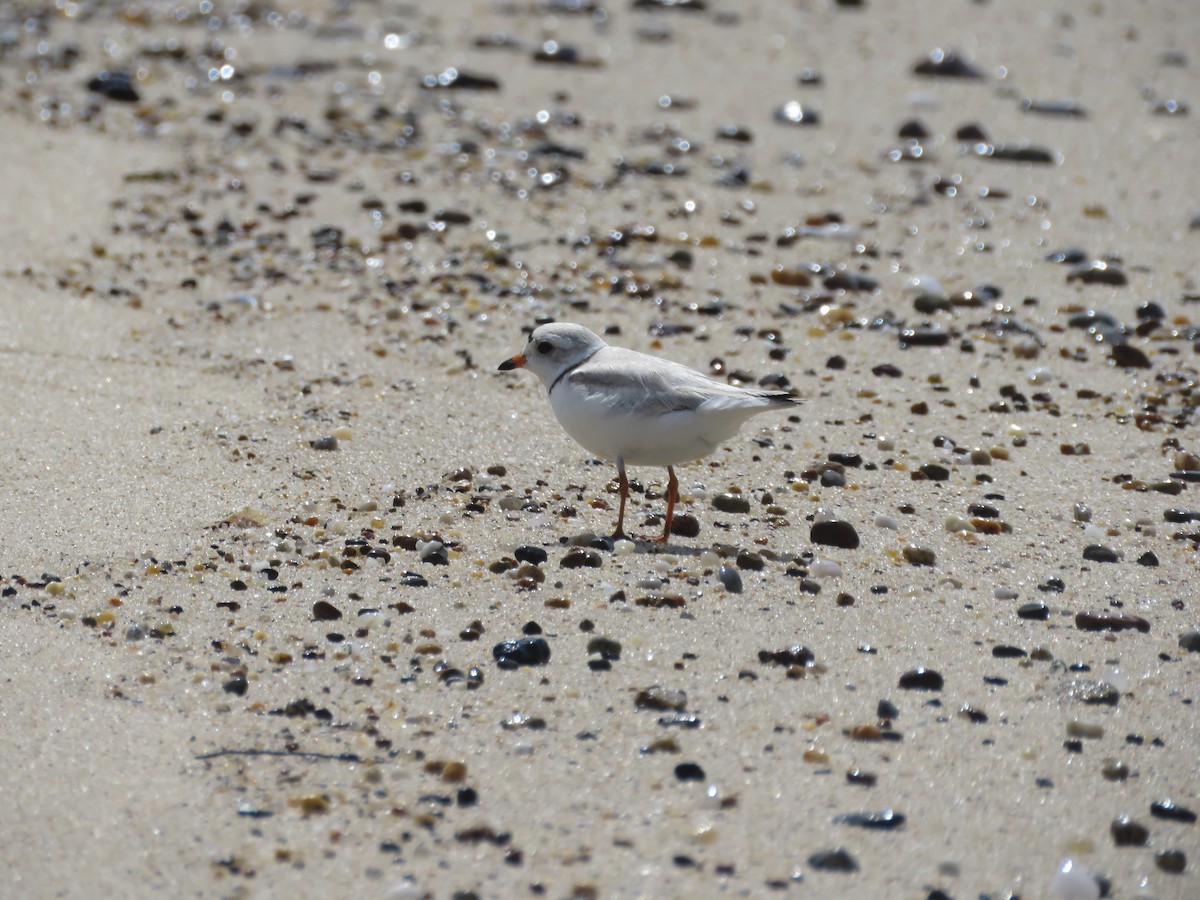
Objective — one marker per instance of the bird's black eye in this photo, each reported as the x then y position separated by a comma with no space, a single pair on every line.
544,347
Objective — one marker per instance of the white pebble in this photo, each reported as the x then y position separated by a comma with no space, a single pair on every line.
1082,512
825,568
426,549
958,523
924,286
1006,593
1073,882
885,521
1094,534
822,514
1040,375
624,547
885,442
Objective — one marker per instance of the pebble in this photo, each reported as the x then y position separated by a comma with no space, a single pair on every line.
1170,810
946,64
1098,271
1127,832
685,525
1094,693
689,771
581,557
328,442
1073,882
858,776
657,697
324,611
731,503
526,651
533,555
885,820
1078,729
919,556
921,679
1100,553
1190,640
1172,861
730,579
795,113
837,859
1037,610
453,79
795,655
1108,620
834,533
824,568
114,86
605,647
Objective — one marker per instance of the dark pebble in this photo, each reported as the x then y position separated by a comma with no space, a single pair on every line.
973,714
1100,553
453,79
1128,833
114,86
324,611
858,776
1149,558
935,472
1098,272
1181,515
1020,152
236,685
606,647
884,820
795,113
850,281
657,697
928,336
1069,256
795,655
887,370
685,525
1052,586
752,562
412,579
1129,357
1007,651
834,534
731,503
528,651
946,64
533,555
1035,610
329,442
886,709
1095,693
835,860
1108,620
921,679
1172,811
1067,108
581,557
1172,861
731,580
919,556
972,132
689,771
1190,640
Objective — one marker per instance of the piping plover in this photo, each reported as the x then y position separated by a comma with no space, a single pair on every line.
636,409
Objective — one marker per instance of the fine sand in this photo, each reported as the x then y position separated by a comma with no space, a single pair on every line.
265,488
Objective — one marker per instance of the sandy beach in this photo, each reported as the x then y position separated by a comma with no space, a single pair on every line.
271,512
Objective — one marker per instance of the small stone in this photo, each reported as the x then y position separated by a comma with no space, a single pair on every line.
1114,770
581,557
1098,272
837,859
236,685
1190,640
532,555
527,651
858,776
1127,832
919,556
606,647
1035,611
1109,620
685,525
730,579
921,679
942,63
731,503
1149,559
1100,553
1172,811
884,820
114,86
795,655
1172,861
324,611
689,771
1077,729
1129,357
834,533
935,472
657,697
328,442
1094,693
1007,651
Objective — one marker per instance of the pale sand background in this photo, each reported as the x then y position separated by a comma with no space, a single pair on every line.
131,410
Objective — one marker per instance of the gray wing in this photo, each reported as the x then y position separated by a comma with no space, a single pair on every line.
632,382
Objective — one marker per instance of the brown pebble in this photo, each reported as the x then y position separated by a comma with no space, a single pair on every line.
1108,620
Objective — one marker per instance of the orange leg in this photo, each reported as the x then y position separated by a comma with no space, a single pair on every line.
672,497
623,484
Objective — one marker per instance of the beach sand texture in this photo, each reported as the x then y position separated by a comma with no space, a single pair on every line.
270,511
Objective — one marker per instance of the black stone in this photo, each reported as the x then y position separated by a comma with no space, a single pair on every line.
529,651
834,534
1170,810
921,679
837,859
884,820
689,771
533,555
